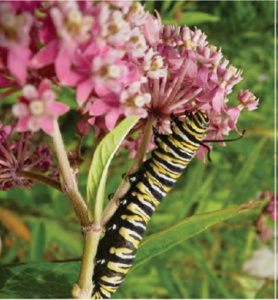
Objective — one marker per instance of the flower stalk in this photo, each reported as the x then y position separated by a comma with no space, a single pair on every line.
69,184
40,178
125,185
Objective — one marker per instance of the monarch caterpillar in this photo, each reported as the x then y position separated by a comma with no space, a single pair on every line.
117,249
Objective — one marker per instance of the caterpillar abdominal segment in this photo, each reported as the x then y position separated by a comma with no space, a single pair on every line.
124,231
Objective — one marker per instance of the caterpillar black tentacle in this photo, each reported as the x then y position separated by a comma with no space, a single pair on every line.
124,231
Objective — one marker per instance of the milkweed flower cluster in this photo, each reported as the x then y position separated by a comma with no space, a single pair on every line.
120,60
17,154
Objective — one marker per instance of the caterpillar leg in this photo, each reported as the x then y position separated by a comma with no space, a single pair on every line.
110,196
135,177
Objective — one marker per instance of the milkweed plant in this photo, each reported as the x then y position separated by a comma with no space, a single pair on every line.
130,73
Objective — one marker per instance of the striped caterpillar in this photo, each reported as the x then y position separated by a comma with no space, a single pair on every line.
124,231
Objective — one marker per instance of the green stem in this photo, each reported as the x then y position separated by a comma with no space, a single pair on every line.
9,92
125,185
70,185
83,289
40,178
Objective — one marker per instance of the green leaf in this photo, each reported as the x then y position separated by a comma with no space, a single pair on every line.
100,163
246,171
68,96
208,271
167,239
193,18
263,292
38,280
60,276
37,241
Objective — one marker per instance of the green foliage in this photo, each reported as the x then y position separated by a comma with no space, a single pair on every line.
167,239
45,280
99,167
194,18
213,260
15,279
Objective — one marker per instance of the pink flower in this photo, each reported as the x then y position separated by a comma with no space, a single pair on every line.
120,60
248,100
38,109
137,14
109,107
233,114
151,29
15,37
115,29
134,101
217,128
104,72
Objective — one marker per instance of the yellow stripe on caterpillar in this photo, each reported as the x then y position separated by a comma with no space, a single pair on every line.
119,251
136,210
105,292
145,197
109,289
114,267
125,233
106,278
133,218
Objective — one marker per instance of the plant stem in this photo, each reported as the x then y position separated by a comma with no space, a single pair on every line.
9,92
125,185
70,185
40,178
83,289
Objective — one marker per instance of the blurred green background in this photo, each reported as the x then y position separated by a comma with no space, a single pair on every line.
210,264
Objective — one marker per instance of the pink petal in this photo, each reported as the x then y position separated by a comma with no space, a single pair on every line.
201,154
18,62
102,91
233,113
57,108
151,30
202,76
22,124
252,105
72,79
83,91
20,110
47,125
34,123
63,63
98,108
44,86
191,71
46,56
111,119
8,130
218,100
